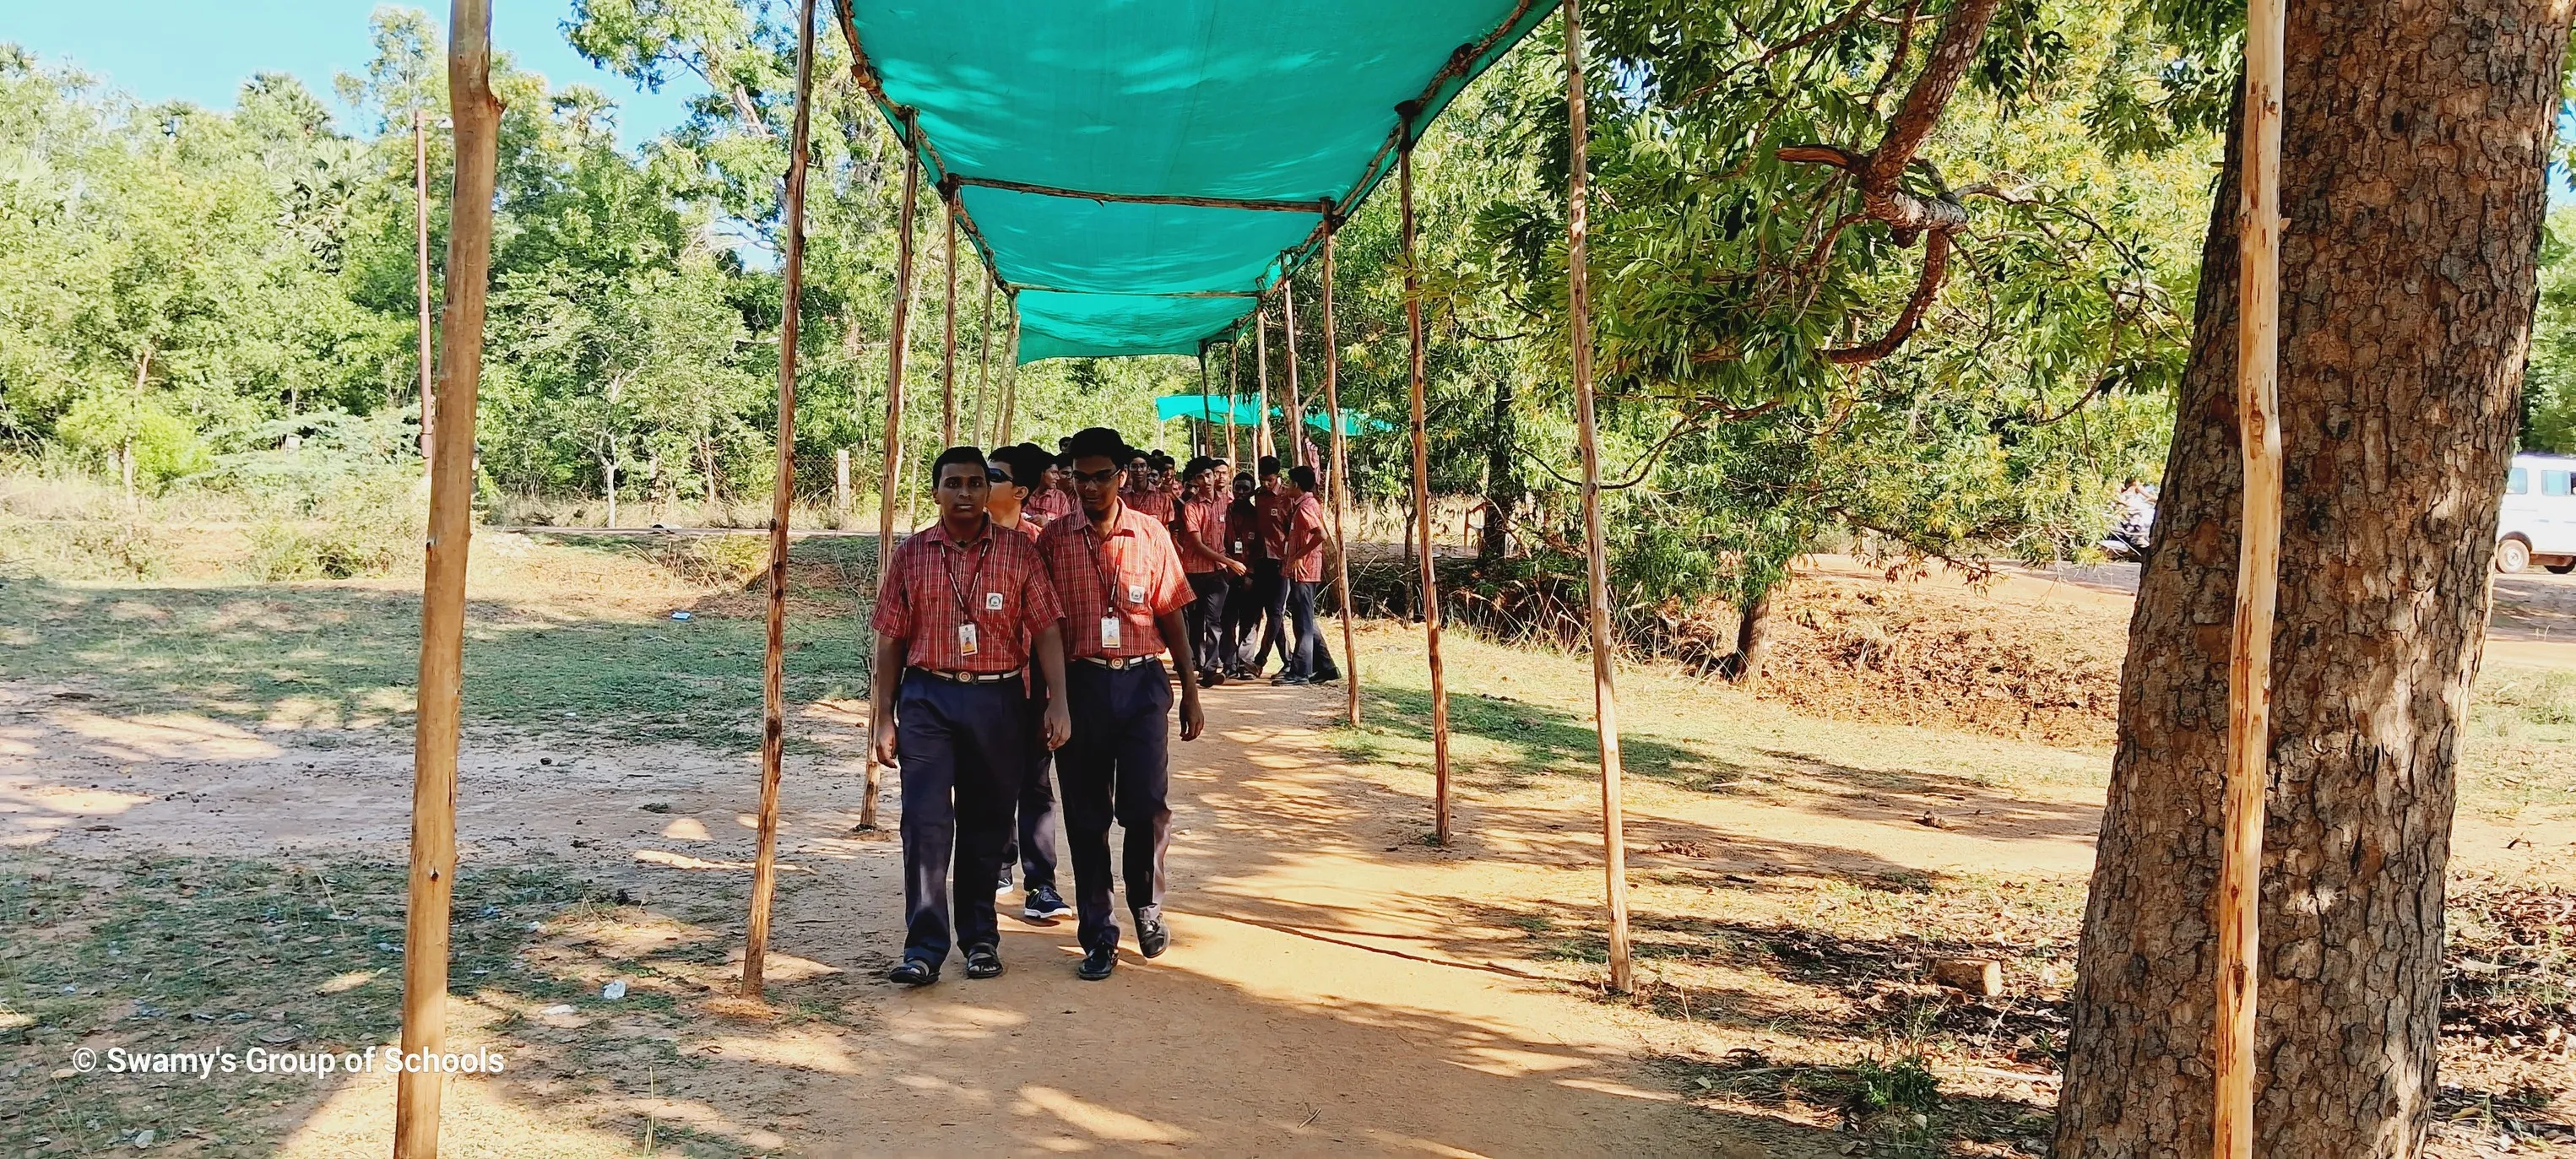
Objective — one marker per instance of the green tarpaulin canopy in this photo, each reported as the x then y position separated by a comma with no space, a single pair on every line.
1245,412
1137,172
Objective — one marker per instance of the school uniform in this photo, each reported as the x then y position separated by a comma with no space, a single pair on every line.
1212,646
1151,501
1031,843
966,612
1049,504
1242,607
1269,584
1115,580
1305,574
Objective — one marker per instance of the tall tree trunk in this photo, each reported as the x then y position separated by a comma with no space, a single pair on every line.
2412,193
1752,641
1502,485
608,470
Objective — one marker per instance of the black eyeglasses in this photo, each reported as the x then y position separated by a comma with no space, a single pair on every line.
997,476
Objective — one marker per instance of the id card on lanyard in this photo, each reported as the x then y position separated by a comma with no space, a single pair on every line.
969,641
1112,634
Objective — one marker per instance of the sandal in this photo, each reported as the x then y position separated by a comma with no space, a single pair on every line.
913,972
983,962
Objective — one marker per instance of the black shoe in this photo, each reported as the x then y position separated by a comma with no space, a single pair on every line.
913,972
1211,679
1097,963
1045,905
1005,886
1289,680
1152,937
983,962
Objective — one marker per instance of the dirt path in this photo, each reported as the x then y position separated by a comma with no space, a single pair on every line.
1318,996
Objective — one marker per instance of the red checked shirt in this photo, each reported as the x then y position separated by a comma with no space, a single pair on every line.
1152,503
1049,503
1132,567
1206,518
1307,515
1243,527
996,581
1273,509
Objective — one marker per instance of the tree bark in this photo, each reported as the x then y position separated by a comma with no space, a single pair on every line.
2412,192
1752,642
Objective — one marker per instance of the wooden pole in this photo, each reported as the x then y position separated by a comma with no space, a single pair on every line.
2258,581
984,364
1010,382
1207,407
773,671
1341,469
1430,577
1296,432
420,236
438,697
948,339
1261,368
1233,391
891,475
1605,699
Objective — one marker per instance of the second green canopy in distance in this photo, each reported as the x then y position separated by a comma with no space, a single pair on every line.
1246,412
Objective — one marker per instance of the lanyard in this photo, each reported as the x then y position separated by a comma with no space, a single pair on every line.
973,578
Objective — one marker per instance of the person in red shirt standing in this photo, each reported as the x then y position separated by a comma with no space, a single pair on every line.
1269,586
1051,494
1123,592
1242,605
1200,533
1031,844
962,607
1303,567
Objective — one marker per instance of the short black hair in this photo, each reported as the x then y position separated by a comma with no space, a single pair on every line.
1269,465
1099,442
958,455
1303,476
1244,483
1026,463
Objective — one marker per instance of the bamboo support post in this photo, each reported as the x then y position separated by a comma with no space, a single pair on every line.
773,670
1010,382
1233,391
890,476
2258,580
1261,373
420,239
1206,436
1341,552
948,343
1296,419
1430,577
1605,699
439,695
984,364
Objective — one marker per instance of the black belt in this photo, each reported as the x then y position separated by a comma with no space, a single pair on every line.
1119,663
969,677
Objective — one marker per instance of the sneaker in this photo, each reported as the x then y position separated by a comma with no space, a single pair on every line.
1097,962
1045,905
1152,937
1005,886
1286,680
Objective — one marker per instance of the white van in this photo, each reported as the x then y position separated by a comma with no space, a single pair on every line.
2538,520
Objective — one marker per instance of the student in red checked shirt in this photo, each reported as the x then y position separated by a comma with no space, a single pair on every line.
1031,844
1303,553
963,605
1123,593
1200,533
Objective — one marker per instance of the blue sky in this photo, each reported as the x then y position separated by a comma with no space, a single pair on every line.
201,50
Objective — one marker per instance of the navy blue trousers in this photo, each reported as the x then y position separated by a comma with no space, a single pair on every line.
1033,843
961,750
1116,768
1211,643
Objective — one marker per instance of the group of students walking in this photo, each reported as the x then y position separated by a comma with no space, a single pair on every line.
1027,628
